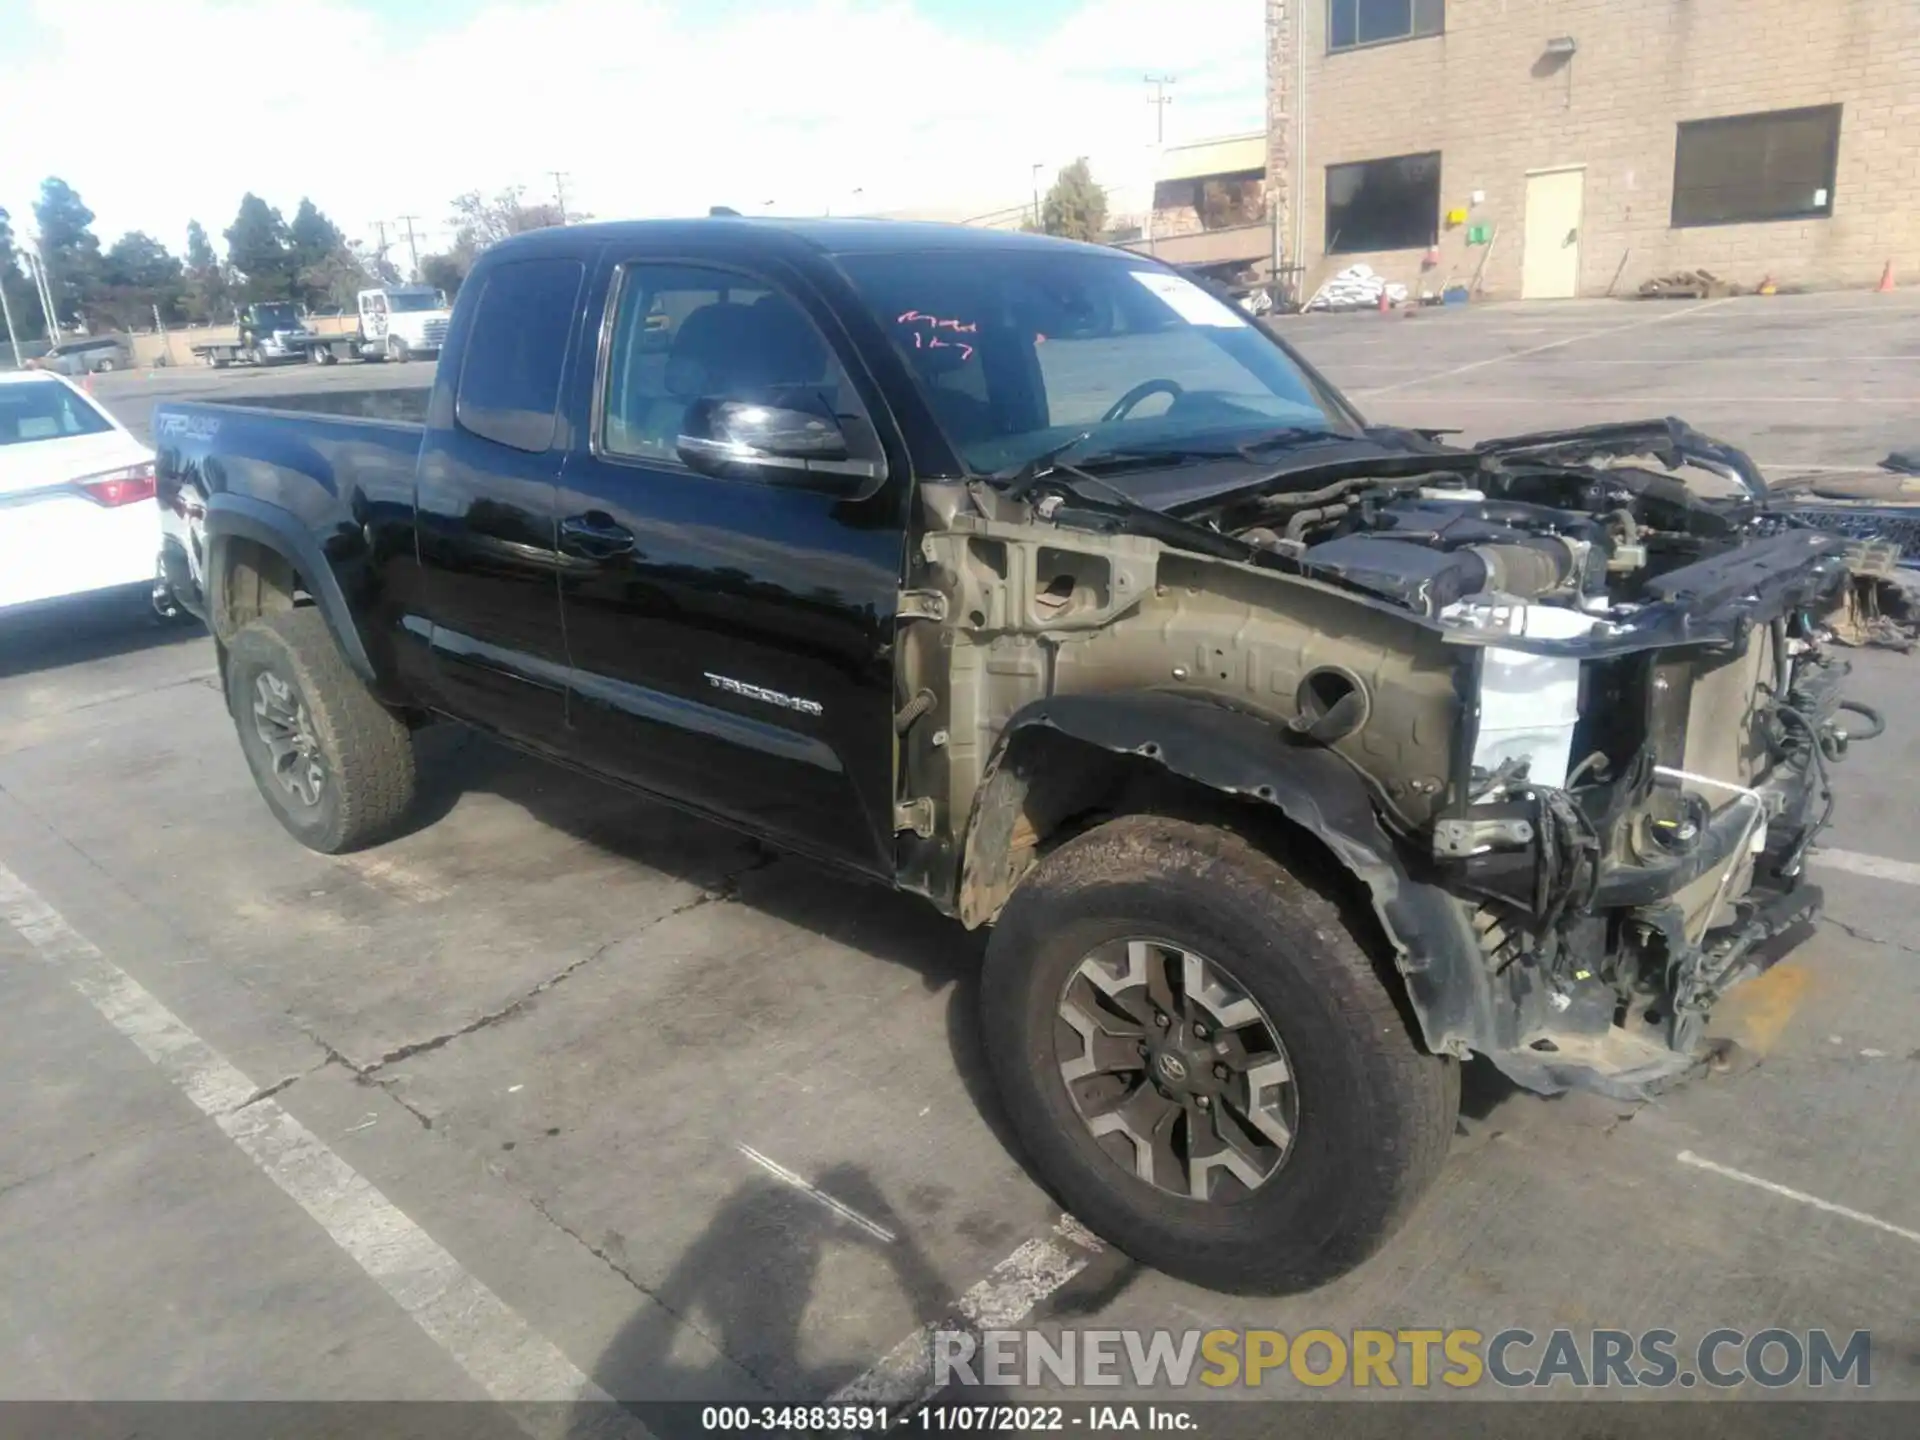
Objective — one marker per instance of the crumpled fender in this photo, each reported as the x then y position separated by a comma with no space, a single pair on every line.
1252,759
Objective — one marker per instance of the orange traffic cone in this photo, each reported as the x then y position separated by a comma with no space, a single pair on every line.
1886,285
86,382
1386,305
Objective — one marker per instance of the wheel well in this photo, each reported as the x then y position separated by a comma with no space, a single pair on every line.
1048,786
251,580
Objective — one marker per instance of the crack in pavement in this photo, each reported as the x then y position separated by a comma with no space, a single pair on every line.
727,890
267,1092
1868,937
606,1258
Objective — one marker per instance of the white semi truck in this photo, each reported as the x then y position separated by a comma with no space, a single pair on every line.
399,322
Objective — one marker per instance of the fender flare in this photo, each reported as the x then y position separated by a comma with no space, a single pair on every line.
278,529
1247,757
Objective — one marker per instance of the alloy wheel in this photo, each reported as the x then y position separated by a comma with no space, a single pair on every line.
281,721
1176,1071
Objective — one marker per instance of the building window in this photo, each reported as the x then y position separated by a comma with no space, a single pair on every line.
1777,166
1391,204
1353,23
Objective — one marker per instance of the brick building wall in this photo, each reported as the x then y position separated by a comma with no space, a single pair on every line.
1487,96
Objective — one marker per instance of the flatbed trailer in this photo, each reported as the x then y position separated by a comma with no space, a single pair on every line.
281,348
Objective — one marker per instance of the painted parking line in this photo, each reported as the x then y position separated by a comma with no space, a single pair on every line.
484,1335
1874,867
904,1375
1846,1212
1663,403
1692,362
1575,339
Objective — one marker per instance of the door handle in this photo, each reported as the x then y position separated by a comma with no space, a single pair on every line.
595,536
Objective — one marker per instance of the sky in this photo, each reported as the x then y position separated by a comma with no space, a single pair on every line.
162,111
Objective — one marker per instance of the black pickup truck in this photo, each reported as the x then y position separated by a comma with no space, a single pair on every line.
1293,760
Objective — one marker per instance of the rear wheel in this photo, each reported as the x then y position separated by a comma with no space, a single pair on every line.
333,764
1204,1062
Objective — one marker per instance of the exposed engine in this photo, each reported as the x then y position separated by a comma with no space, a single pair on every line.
1594,535
1649,716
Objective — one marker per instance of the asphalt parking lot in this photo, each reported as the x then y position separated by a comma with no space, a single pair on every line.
655,1110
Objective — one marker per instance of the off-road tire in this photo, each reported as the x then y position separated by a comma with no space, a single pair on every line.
367,751
1376,1111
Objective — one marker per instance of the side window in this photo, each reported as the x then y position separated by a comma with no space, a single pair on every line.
510,378
684,333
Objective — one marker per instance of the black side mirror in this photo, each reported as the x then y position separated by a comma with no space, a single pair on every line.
778,445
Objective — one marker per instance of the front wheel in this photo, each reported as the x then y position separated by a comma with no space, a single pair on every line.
1203,1061
333,764
397,350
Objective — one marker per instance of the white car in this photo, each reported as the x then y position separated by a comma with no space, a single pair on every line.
77,512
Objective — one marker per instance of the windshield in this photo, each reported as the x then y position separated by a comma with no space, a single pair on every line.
1020,353
45,410
405,303
281,317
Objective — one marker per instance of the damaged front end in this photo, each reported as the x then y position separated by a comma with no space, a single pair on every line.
1648,713
1576,685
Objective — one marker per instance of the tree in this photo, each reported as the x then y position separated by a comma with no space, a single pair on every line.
443,272
21,300
208,297
336,281
257,247
200,254
137,276
479,222
324,268
376,264
68,246
1075,207
312,236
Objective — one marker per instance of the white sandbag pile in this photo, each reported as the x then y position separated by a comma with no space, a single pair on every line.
1356,288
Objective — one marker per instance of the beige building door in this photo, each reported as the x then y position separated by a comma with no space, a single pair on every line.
1550,252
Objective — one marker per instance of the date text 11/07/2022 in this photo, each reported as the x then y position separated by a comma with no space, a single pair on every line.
941,1419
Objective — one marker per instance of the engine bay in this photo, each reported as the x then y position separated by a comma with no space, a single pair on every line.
1592,528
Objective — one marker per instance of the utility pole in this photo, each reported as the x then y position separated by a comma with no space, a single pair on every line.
413,250
1038,166
560,192
38,268
380,255
1160,101
13,338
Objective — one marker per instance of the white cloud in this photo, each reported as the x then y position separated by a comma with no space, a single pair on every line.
650,107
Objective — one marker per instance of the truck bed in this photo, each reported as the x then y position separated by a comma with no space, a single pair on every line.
326,477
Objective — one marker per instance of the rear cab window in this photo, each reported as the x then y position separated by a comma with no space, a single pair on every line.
516,349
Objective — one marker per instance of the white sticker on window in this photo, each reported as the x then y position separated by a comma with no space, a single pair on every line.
1819,197
1188,300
